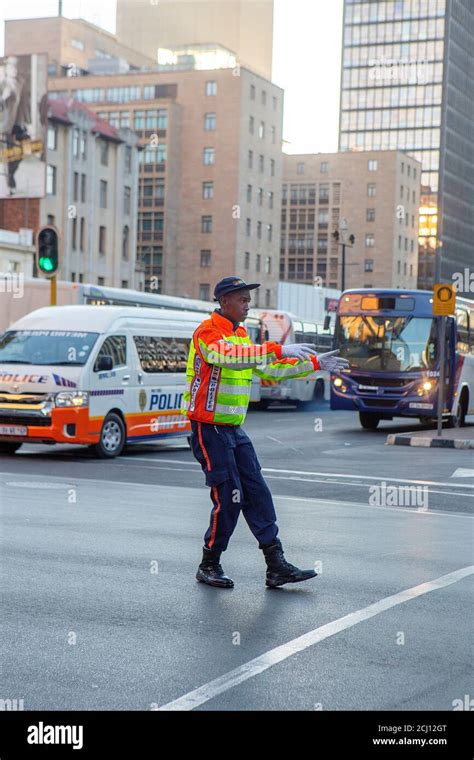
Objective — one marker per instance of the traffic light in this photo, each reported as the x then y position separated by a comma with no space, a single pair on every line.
47,246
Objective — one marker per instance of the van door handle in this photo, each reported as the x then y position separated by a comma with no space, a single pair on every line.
140,377
125,378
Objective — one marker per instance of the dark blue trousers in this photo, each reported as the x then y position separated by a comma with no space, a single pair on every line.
233,472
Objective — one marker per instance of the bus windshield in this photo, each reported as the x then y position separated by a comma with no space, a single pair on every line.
387,344
58,347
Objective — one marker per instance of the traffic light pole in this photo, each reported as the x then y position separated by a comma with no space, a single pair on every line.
53,291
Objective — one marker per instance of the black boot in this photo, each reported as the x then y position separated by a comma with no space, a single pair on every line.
210,571
279,571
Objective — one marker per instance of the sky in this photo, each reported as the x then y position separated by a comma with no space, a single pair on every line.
306,60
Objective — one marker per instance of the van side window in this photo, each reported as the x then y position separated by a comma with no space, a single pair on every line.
116,347
158,354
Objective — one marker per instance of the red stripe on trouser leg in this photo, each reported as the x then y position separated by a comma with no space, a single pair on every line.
204,451
214,518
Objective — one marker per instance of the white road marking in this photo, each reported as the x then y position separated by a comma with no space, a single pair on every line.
258,665
462,472
312,473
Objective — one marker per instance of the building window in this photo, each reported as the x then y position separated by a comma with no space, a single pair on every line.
83,144
51,180
261,130
269,232
208,156
82,234
370,215
414,173
260,196
261,162
104,152
83,188
102,239
209,122
250,161
205,260
74,233
323,168
249,193
50,219
369,240
52,137
412,246
76,43
268,264
371,190
127,195
401,192
75,186
125,241
373,165
274,101
368,265
272,167
403,167
252,92
207,190
248,227
210,88
124,283
247,260
273,135
271,196
204,291
103,193
324,193
264,98
398,266
258,260
300,168
409,170
75,142
128,159
251,125
259,230
206,224
413,196
399,242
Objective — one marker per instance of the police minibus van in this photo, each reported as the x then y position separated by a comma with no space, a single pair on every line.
103,376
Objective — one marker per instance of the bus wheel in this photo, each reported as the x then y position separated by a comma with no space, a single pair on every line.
9,448
112,437
369,421
458,420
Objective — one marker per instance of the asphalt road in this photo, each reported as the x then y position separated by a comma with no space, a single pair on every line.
101,609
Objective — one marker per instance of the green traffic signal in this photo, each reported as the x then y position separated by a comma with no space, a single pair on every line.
48,250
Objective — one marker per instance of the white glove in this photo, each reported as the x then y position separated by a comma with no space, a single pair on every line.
332,363
301,351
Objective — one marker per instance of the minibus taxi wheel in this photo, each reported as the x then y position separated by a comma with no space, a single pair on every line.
9,448
369,421
112,437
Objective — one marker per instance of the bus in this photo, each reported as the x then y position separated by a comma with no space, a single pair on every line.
284,327
391,340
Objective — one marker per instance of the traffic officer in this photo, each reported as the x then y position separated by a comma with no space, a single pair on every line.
219,378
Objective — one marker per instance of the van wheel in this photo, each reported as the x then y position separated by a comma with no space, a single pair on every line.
369,421
9,448
112,438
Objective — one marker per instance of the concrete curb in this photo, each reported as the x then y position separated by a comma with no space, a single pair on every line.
430,443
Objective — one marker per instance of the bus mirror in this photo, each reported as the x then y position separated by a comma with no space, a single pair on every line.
327,322
104,364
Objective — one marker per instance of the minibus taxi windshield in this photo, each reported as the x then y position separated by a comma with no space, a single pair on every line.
46,347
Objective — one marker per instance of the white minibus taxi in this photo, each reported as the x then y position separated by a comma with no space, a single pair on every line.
102,376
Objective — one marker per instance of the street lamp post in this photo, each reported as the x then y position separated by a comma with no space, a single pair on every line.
340,238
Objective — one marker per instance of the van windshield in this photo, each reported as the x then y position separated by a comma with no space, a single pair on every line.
57,347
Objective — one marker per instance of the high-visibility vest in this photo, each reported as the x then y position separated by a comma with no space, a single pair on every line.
219,371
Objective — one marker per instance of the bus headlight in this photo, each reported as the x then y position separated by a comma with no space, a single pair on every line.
72,398
338,382
425,388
